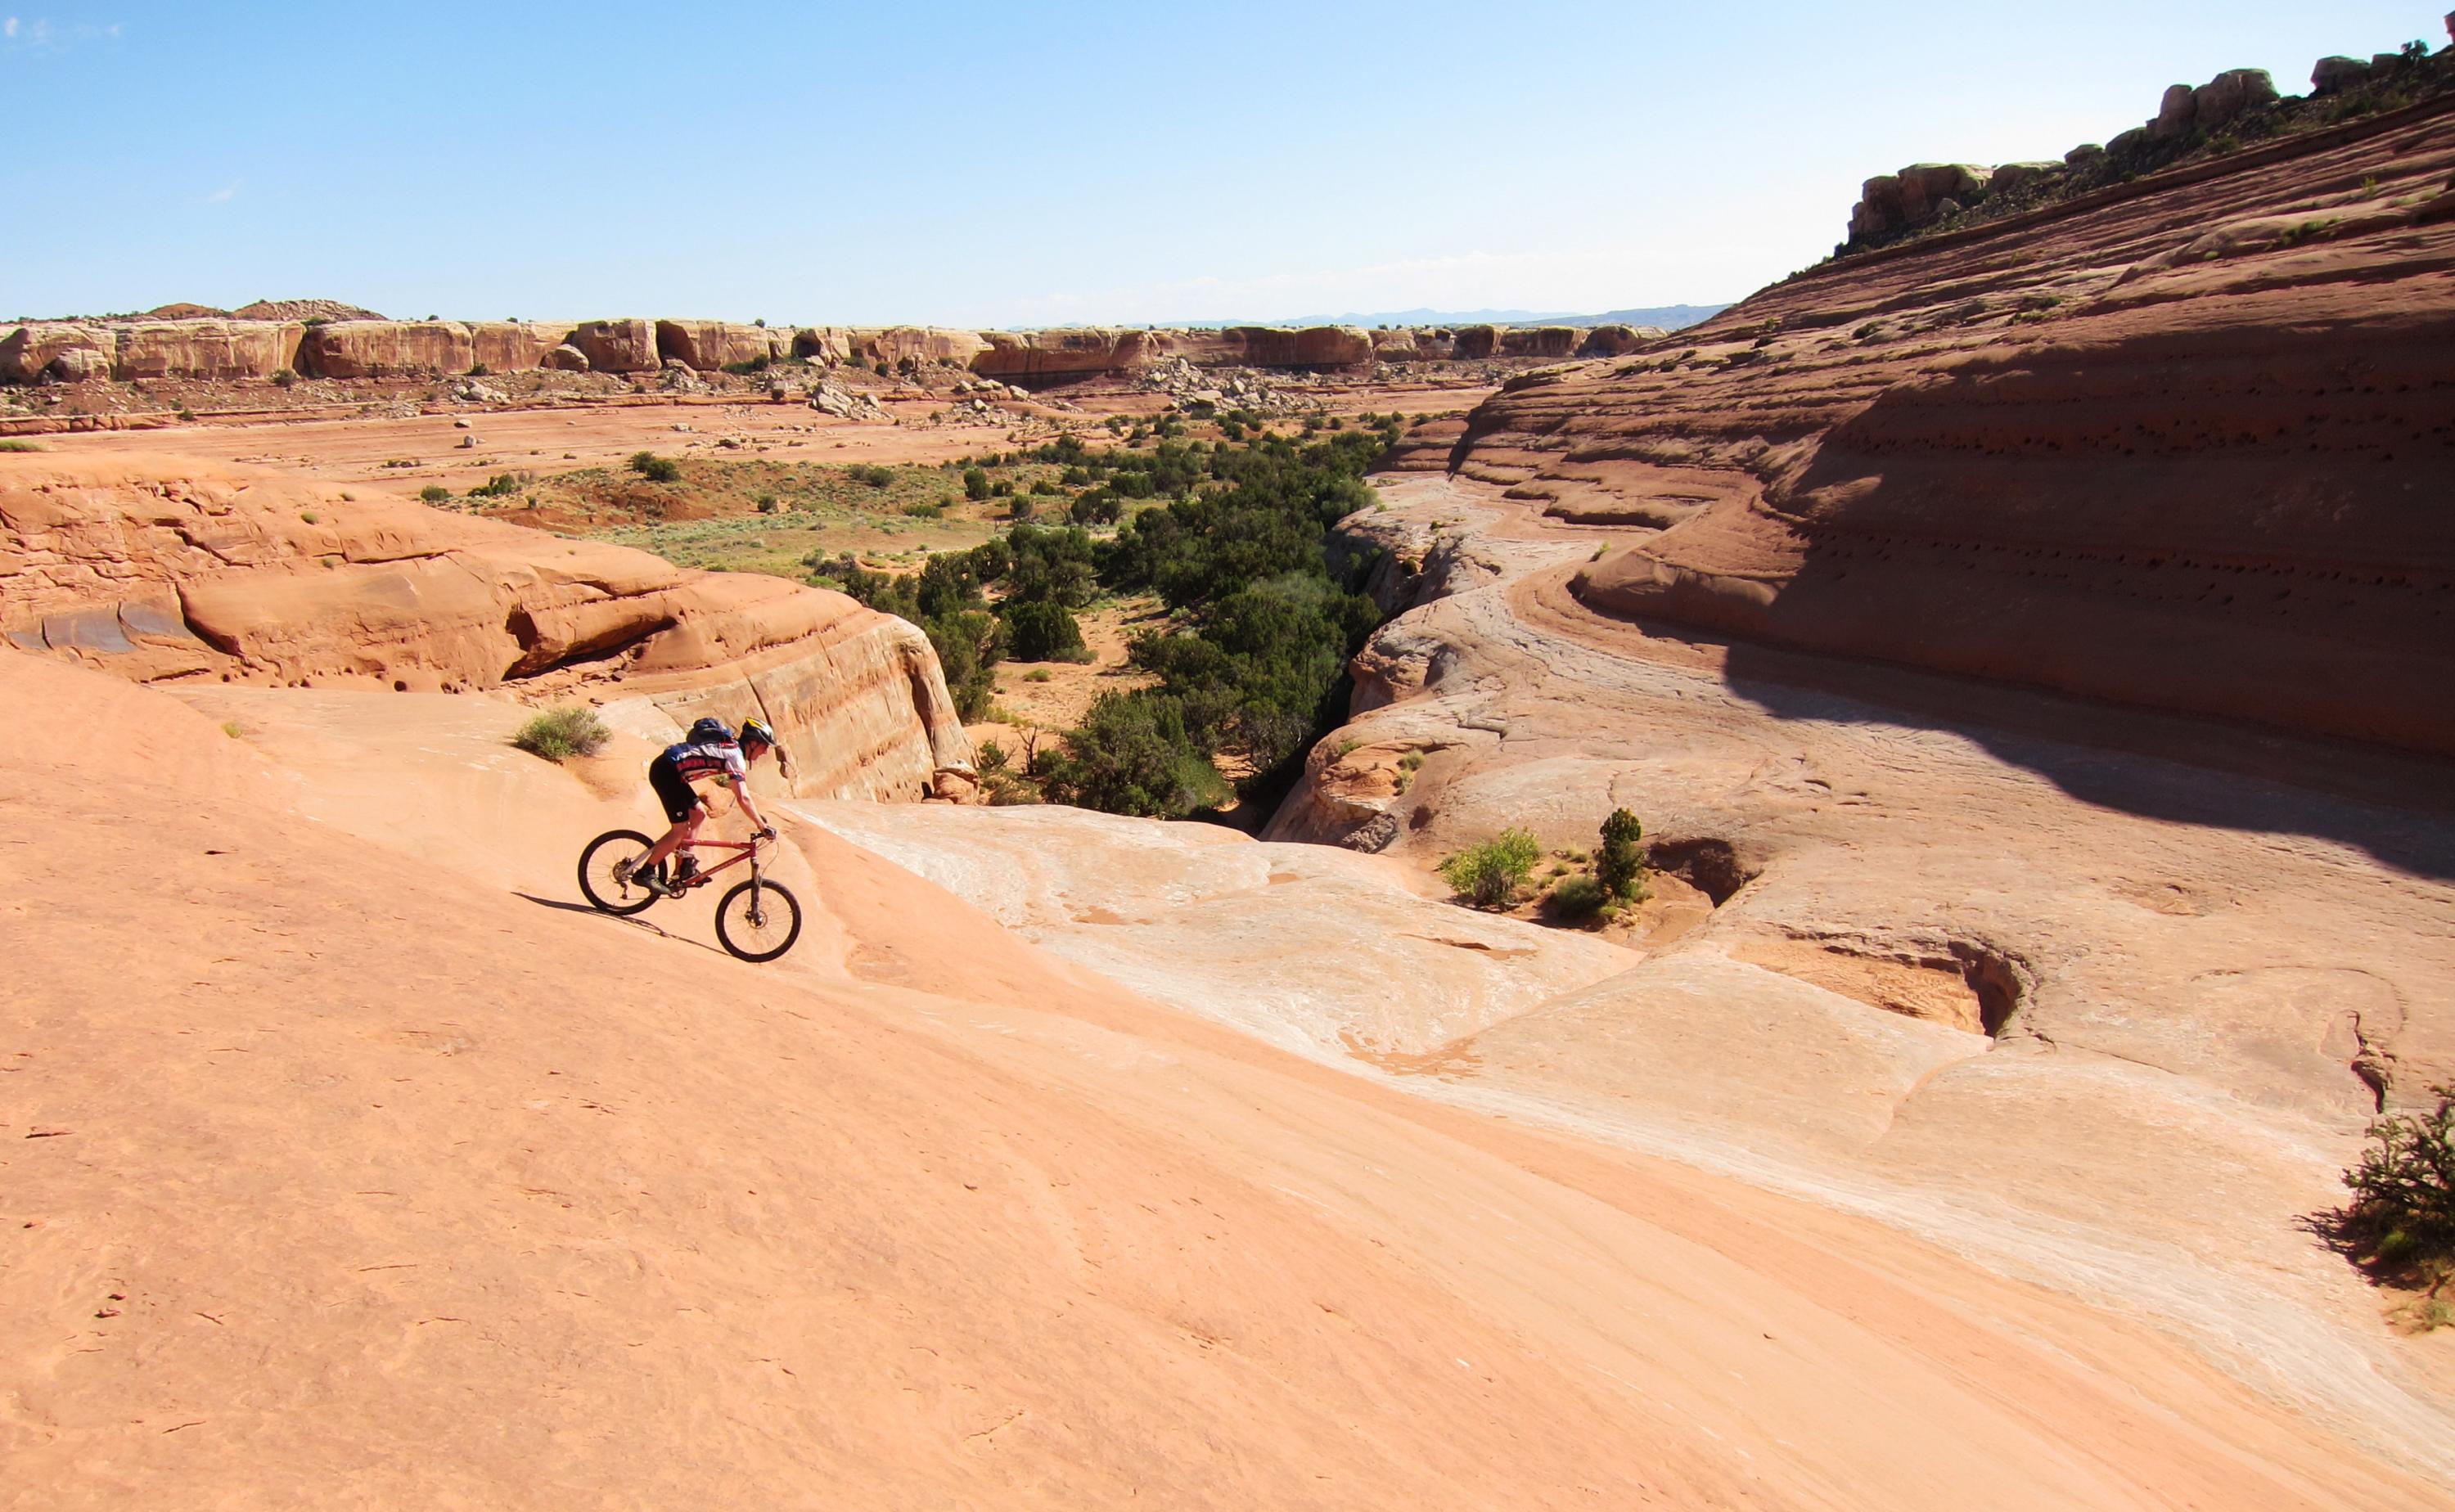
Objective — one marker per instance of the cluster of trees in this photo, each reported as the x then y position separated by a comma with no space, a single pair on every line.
1254,669
1042,577
1253,666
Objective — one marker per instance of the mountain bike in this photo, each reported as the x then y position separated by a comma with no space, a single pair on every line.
756,920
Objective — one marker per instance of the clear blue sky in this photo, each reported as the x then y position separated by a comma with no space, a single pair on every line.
1013,164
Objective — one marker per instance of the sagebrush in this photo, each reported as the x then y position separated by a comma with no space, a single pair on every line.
560,733
1491,874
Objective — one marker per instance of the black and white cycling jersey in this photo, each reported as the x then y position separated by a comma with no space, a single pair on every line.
712,758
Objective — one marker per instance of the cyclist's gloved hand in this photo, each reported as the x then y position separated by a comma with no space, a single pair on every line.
767,832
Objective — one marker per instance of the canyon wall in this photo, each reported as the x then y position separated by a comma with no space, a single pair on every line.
2185,443
187,571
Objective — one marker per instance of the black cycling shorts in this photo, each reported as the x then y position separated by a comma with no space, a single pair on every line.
673,789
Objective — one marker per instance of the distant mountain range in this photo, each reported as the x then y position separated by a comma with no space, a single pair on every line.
1669,317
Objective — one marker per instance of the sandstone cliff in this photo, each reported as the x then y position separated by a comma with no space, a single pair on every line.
2183,443
382,348
207,349
711,346
1062,353
165,572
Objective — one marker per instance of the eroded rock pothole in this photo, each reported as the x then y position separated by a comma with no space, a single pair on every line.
1958,984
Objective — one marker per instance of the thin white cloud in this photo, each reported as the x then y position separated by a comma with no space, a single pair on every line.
223,194
39,35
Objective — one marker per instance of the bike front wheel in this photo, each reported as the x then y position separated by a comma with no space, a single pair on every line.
758,920
596,868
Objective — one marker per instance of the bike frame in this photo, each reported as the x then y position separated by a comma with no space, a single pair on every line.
749,850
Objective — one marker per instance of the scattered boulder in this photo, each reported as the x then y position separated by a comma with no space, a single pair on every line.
31,351
844,404
2229,94
2010,176
2176,114
619,346
566,358
2332,75
1894,202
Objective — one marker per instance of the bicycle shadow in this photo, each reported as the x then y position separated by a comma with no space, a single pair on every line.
633,921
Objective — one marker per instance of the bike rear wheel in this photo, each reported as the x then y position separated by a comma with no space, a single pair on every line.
758,920
596,864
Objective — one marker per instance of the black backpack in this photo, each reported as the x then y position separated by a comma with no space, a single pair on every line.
711,731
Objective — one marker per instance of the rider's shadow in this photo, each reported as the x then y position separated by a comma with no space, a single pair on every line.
656,930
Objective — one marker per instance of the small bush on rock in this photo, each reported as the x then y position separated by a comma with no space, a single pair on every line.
1578,897
655,469
2402,1218
559,733
1491,874
433,493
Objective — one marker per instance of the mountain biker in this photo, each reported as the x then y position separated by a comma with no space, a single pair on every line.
711,751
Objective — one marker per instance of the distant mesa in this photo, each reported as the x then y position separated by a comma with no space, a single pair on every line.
322,338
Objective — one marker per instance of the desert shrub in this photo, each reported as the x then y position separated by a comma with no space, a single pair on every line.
992,756
871,473
502,485
1037,675
283,377
559,733
655,469
924,511
14,445
1619,868
433,493
976,484
2402,1218
1491,874
478,369
1132,755
1044,631
1577,897
768,504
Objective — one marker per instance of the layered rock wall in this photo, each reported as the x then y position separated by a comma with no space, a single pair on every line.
156,570
384,349
711,346
2187,447
207,349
